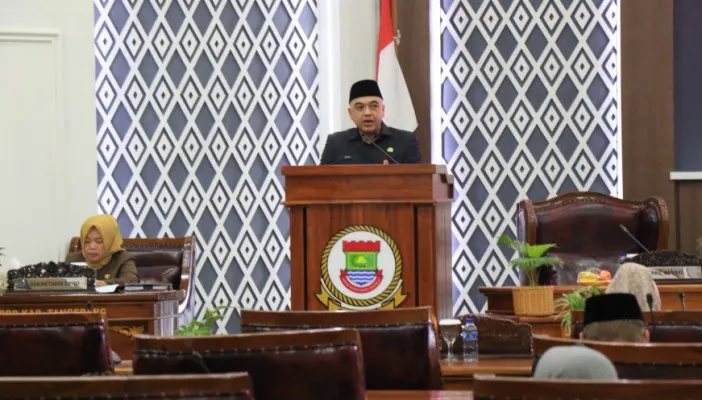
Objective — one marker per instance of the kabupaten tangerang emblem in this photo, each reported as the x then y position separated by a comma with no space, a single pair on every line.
361,270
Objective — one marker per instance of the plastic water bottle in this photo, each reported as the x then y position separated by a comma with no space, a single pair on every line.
469,335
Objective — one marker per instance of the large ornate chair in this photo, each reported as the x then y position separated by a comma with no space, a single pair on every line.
314,364
169,260
637,360
586,228
54,344
400,350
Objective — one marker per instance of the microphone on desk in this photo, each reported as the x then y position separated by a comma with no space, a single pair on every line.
681,296
622,227
649,300
370,139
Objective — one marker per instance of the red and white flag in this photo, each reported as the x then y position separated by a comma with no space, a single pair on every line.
399,111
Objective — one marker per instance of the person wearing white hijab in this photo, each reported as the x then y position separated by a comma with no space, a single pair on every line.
636,279
575,362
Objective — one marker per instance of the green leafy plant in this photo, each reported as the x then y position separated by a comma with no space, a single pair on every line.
204,326
531,257
574,301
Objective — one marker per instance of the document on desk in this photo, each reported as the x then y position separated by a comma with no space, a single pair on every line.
106,288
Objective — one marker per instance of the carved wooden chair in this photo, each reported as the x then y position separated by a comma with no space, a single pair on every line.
488,388
598,241
169,260
314,364
663,326
399,346
638,360
499,337
54,344
200,387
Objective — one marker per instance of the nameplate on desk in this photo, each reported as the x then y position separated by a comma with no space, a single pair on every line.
680,273
51,310
50,284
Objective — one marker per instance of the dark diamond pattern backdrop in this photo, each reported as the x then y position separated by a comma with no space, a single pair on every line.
199,103
530,109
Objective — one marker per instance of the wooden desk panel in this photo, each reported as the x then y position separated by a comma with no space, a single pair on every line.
499,299
128,314
459,375
419,394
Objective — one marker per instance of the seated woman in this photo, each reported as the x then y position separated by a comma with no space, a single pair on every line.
636,279
575,362
101,245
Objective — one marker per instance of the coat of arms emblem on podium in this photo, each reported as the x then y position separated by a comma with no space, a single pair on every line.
361,270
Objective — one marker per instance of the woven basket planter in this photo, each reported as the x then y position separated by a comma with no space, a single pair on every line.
534,301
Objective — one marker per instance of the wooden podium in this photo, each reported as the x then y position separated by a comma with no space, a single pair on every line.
370,236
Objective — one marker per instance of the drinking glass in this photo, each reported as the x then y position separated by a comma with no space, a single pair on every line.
449,331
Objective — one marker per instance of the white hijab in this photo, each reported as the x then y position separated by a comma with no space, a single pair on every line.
636,279
575,362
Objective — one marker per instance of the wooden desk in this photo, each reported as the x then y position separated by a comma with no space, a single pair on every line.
128,314
499,299
458,375
418,394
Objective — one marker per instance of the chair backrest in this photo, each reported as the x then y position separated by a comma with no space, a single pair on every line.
664,326
400,348
499,337
485,388
54,344
316,364
191,387
638,360
598,240
163,259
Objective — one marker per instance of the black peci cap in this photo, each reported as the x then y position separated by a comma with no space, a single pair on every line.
366,87
612,307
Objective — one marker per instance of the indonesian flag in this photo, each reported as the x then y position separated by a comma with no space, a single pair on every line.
399,111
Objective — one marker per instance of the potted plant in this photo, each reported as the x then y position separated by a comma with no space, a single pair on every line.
531,300
202,327
573,301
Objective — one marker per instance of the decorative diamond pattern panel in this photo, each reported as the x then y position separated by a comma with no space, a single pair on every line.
199,104
529,110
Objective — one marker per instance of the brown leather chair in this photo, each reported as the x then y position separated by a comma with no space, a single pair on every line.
487,388
499,337
399,346
193,387
316,364
169,260
664,326
638,360
53,344
585,227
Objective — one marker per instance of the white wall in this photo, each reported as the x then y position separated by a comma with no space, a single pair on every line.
349,41
48,176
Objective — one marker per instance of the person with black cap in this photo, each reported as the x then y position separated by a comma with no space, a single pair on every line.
614,317
371,141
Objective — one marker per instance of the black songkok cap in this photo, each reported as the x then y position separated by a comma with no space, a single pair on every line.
366,87
612,307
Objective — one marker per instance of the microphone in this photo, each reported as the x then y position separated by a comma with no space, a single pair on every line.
649,300
348,153
372,141
622,227
681,296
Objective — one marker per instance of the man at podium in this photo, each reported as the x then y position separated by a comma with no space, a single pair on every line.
371,141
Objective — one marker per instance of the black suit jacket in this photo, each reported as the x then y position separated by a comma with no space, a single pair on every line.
346,147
